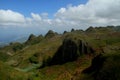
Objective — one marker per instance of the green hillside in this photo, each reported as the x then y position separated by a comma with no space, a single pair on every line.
93,54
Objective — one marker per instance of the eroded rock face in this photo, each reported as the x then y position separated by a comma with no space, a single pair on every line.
70,50
84,48
66,52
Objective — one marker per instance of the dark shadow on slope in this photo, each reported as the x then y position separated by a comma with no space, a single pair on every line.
96,65
104,67
66,53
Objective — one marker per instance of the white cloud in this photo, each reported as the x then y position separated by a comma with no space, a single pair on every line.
8,17
44,15
93,13
36,17
62,10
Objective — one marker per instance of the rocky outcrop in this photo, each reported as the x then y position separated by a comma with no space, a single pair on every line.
90,29
66,52
50,34
33,39
70,50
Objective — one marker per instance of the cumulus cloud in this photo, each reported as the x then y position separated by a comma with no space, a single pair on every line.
9,17
93,13
36,17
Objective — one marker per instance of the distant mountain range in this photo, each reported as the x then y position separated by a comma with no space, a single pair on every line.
20,40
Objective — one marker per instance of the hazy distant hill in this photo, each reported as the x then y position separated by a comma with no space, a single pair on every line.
2,44
20,39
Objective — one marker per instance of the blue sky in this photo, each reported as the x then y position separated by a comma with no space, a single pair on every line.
37,6
19,18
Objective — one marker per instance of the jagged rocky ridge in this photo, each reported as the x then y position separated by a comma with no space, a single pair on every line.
69,53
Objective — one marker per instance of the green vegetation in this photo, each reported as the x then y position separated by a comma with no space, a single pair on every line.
93,54
8,73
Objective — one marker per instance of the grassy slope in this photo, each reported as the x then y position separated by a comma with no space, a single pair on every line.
8,73
101,38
